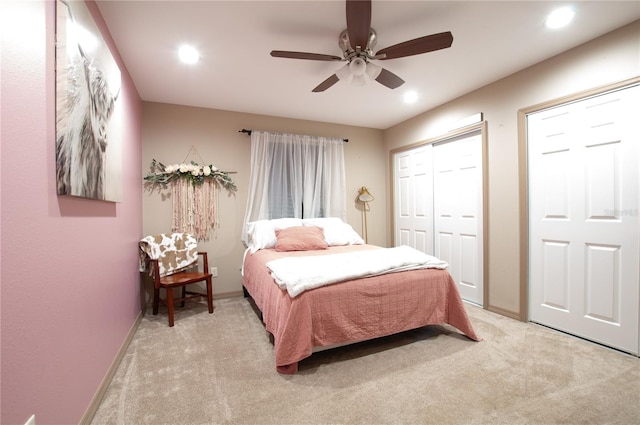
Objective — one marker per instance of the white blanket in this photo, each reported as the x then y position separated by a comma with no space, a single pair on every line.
174,252
298,274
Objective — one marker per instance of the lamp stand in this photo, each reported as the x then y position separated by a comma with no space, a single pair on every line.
365,230
364,197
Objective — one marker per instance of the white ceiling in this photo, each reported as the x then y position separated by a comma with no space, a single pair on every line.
236,72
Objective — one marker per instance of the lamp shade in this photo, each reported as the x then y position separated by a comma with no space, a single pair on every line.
373,71
364,195
344,73
358,66
358,81
356,72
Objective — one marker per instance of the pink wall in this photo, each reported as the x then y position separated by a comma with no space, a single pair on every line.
69,280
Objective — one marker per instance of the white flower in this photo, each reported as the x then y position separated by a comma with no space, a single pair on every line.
164,174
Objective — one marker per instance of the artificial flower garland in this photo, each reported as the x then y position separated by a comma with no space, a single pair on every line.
196,174
195,194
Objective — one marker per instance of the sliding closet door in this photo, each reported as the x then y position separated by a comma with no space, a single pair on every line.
438,206
458,207
584,243
413,200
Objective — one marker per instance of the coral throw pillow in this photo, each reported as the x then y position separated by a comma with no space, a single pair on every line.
300,238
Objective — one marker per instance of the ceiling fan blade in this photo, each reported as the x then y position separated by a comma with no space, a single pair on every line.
303,55
417,46
389,79
358,22
326,83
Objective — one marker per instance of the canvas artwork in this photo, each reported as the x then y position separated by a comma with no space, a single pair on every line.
88,108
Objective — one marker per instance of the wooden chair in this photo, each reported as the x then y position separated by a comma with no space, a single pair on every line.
180,279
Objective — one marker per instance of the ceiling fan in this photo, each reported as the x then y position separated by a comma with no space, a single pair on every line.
357,43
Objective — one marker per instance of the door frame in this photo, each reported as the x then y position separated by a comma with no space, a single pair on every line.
477,127
524,172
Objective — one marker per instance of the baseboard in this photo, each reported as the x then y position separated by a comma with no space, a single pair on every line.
227,295
102,388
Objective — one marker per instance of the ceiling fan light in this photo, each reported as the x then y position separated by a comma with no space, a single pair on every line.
358,66
344,73
358,80
373,71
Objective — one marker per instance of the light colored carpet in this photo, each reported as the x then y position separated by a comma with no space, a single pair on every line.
219,369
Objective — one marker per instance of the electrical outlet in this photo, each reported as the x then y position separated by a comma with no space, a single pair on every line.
214,271
31,421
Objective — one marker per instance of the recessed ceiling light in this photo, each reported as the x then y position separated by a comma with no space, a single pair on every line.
410,97
560,17
188,54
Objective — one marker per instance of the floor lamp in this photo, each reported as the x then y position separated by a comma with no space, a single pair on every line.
364,197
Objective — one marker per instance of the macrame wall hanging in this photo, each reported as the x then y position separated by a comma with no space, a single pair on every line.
194,190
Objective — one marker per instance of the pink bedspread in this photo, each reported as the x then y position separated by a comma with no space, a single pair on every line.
350,311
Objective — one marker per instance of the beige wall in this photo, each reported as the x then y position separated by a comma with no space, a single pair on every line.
169,131
608,59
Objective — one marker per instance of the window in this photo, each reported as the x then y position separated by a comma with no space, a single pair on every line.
295,176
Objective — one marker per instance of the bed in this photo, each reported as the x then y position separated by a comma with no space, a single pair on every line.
341,311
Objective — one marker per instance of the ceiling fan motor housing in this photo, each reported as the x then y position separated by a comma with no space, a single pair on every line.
350,53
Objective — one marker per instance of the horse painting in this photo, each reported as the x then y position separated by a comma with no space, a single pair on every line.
84,109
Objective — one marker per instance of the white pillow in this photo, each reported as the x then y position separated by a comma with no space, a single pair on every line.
262,233
336,231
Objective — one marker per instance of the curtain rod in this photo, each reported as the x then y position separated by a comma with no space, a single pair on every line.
244,130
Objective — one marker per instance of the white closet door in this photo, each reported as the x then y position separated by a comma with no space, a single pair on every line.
413,188
584,232
458,212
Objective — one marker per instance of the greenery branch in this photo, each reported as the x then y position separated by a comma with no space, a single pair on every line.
164,174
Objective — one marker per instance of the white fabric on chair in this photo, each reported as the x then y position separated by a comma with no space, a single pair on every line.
174,251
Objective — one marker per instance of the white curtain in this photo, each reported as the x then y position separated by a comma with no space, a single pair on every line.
295,176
